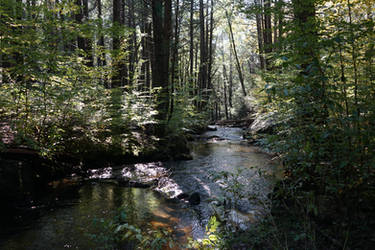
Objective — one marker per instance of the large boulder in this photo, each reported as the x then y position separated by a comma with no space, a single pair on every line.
264,123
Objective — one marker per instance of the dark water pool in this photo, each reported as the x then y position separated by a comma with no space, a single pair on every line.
79,206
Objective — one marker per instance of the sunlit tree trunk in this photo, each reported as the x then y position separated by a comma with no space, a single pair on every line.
267,32
238,65
203,57
174,66
101,56
210,48
132,42
225,80
230,90
259,21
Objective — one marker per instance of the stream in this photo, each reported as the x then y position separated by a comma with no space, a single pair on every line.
74,209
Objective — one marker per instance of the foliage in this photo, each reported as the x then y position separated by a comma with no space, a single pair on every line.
231,185
117,232
321,85
185,117
213,239
53,100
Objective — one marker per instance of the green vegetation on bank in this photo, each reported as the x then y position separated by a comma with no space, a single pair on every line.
124,78
320,82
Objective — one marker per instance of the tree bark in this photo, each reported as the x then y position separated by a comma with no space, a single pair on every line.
238,65
132,40
101,56
210,48
191,51
87,41
79,20
203,58
230,90
267,32
117,65
174,66
162,19
259,21
225,80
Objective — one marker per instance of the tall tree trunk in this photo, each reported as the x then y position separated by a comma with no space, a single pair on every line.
280,22
225,80
87,41
275,20
144,52
230,90
210,48
101,56
117,64
162,19
174,66
203,57
132,40
238,65
312,105
79,20
191,52
259,21
267,32
308,53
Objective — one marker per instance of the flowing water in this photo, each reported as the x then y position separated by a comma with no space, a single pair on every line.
74,210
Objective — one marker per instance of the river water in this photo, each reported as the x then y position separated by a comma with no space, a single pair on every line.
73,210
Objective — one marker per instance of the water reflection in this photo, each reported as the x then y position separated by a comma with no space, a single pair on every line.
71,227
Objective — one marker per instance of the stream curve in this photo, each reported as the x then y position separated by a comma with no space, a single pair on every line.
78,204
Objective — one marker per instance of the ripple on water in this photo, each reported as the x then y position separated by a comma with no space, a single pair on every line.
68,226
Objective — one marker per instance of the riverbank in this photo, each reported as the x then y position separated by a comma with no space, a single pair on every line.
25,174
195,186
309,209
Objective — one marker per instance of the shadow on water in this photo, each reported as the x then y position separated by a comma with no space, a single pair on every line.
77,218
70,221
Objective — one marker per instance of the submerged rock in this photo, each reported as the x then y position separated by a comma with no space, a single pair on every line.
183,196
195,199
211,128
215,138
193,182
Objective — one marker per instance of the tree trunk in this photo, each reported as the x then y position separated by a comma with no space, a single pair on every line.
191,53
259,21
162,19
230,90
210,48
267,32
132,40
203,57
174,66
87,41
101,56
225,80
238,65
79,20
117,65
